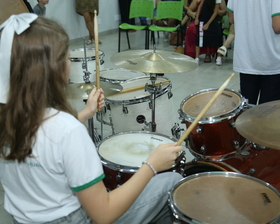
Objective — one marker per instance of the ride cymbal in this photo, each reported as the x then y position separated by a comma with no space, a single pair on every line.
152,61
82,90
261,124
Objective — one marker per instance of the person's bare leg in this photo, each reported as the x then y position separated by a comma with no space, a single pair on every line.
89,24
197,51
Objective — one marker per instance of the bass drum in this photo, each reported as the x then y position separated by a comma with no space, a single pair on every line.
224,197
256,161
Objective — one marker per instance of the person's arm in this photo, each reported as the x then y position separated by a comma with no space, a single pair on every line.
222,9
191,9
276,23
95,100
215,13
198,13
231,17
97,201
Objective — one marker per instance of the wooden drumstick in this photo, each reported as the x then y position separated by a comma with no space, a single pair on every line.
97,69
140,87
200,115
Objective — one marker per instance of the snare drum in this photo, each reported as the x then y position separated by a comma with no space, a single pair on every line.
122,154
131,111
78,64
215,135
224,197
119,75
259,162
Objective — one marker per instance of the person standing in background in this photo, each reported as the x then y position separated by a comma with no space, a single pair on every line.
86,9
40,8
257,48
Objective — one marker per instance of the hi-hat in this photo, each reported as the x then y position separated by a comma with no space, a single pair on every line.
82,90
152,61
261,124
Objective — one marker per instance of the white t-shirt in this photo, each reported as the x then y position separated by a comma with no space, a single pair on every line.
65,160
256,46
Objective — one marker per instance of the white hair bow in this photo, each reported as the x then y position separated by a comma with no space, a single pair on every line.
18,24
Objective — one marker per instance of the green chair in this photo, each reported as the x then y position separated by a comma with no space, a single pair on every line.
165,10
138,8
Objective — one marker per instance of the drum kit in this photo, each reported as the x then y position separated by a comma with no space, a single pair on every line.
234,177
235,146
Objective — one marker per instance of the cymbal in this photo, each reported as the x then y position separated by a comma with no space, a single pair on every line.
152,61
82,90
261,124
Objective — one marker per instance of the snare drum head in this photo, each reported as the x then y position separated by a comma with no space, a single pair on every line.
79,54
227,102
225,197
136,94
131,148
120,74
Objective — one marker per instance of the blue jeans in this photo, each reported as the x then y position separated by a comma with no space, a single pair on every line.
150,206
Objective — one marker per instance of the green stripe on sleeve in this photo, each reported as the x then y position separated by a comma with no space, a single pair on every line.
276,14
89,184
229,10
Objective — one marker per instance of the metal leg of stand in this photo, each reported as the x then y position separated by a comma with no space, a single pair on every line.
154,125
91,129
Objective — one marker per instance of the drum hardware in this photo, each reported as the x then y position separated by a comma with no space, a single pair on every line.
124,109
199,129
176,131
170,95
155,62
261,124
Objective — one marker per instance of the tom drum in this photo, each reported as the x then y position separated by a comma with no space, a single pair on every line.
224,197
79,62
215,135
132,111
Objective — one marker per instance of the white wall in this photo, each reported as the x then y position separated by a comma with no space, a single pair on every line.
64,12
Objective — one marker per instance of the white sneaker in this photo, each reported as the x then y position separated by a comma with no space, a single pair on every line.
197,60
166,36
219,60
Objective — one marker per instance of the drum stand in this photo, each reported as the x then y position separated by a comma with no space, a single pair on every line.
88,86
153,89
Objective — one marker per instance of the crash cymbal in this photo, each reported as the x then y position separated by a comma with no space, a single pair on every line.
152,61
82,90
261,124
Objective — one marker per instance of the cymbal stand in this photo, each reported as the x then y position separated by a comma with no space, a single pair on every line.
153,89
92,132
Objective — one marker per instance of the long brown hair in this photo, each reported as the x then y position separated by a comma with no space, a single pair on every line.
37,81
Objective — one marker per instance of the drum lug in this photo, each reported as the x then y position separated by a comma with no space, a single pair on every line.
251,172
119,177
169,95
203,150
150,105
199,129
236,144
232,124
125,110
107,106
